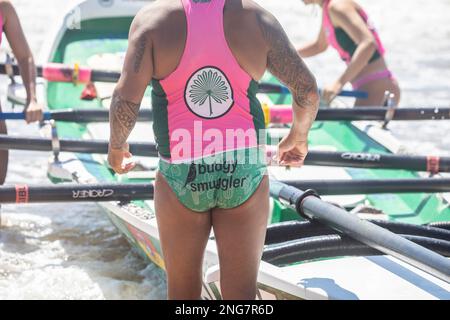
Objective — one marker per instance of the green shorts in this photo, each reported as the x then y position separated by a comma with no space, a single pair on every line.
223,181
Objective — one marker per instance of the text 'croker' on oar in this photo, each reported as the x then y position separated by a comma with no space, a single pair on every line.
433,164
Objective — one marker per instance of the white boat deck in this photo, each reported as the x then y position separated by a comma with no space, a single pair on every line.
367,278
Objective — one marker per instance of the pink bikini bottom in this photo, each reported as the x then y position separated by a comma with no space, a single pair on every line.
358,83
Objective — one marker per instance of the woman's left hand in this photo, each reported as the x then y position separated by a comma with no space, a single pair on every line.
33,112
116,159
330,92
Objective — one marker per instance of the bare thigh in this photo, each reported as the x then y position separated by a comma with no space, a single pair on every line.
3,154
376,90
184,235
240,235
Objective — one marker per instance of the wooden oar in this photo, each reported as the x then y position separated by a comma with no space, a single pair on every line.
56,72
305,203
308,205
433,164
274,115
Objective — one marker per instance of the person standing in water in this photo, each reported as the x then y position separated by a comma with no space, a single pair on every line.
347,28
10,25
204,59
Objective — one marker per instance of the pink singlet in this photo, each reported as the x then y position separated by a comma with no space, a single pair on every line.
207,118
209,102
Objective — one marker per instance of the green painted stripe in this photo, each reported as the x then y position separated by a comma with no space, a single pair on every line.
160,118
256,110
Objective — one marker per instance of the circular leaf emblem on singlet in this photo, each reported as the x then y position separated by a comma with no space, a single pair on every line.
208,93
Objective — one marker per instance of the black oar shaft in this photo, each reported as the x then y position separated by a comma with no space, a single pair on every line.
93,115
354,114
105,76
379,114
432,164
349,187
75,193
363,231
67,145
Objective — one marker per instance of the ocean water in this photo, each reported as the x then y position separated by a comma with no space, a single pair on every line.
68,251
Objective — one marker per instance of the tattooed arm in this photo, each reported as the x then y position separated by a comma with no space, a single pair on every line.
284,63
128,94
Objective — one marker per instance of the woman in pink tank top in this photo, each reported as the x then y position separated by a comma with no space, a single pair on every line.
10,25
203,59
348,29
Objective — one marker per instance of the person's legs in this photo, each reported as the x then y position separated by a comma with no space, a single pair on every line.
376,90
240,235
3,154
184,235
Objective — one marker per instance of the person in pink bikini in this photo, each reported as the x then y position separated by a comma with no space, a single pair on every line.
10,25
347,28
203,59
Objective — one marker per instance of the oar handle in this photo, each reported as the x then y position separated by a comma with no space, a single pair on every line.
20,116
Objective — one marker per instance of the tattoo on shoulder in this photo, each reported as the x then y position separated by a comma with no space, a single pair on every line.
140,51
284,62
123,117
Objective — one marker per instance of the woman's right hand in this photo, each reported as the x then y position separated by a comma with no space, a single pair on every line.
33,112
292,150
